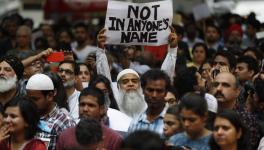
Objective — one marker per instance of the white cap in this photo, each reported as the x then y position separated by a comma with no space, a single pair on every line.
211,103
126,71
40,82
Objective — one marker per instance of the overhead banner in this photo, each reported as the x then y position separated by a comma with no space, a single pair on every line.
138,23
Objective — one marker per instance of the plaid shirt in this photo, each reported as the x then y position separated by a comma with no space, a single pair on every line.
52,125
142,123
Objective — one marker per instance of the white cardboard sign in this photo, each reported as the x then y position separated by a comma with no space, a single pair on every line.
138,23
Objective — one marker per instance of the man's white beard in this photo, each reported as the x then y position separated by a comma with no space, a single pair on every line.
132,102
68,84
7,84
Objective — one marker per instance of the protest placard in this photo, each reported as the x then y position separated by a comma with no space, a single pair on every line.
138,23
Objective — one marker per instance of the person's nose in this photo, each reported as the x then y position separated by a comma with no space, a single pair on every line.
220,131
7,119
186,123
1,72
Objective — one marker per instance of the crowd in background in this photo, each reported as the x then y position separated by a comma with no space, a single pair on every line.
204,90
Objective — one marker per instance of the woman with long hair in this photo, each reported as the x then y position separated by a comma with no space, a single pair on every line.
229,132
20,126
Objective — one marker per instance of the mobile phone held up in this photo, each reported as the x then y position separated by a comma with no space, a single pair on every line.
56,57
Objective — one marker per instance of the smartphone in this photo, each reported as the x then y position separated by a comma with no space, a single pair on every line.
56,57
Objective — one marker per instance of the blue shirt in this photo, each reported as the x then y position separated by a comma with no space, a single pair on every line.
142,123
181,139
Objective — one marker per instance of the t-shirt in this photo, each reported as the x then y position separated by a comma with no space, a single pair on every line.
181,139
67,139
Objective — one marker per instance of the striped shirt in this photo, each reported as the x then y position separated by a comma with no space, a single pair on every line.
142,123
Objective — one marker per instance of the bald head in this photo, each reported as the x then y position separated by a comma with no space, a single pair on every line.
226,89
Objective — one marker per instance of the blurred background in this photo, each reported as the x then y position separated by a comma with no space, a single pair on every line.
94,11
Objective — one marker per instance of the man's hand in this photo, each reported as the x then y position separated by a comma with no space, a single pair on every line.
173,38
45,53
101,38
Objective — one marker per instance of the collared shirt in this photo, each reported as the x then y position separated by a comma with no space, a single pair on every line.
142,123
73,102
53,124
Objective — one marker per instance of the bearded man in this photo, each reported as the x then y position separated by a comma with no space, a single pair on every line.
11,71
68,71
131,100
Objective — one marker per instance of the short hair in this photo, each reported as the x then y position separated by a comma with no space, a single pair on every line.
29,112
211,25
143,140
185,81
251,63
155,74
257,53
80,25
229,56
99,94
76,68
178,29
88,131
236,121
194,102
61,97
174,110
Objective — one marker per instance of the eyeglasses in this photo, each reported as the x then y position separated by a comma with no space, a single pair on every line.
67,71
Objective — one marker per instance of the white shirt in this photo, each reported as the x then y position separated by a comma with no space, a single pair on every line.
83,53
117,120
73,102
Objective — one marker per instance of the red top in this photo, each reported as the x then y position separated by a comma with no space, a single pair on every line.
33,144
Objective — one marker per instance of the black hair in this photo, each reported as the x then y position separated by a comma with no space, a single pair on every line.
194,102
89,69
67,31
257,53
88,131
102,79
200,44
2,110
143,140
252,63
229,56
29,112
80,25
259,88
174,91
175,111
61,97
76,68
215,27
235,120
155,74
99,94
179,29
41,43
185,81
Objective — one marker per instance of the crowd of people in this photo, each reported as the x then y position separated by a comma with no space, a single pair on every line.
204,90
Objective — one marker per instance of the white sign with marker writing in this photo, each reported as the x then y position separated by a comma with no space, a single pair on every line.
138,23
